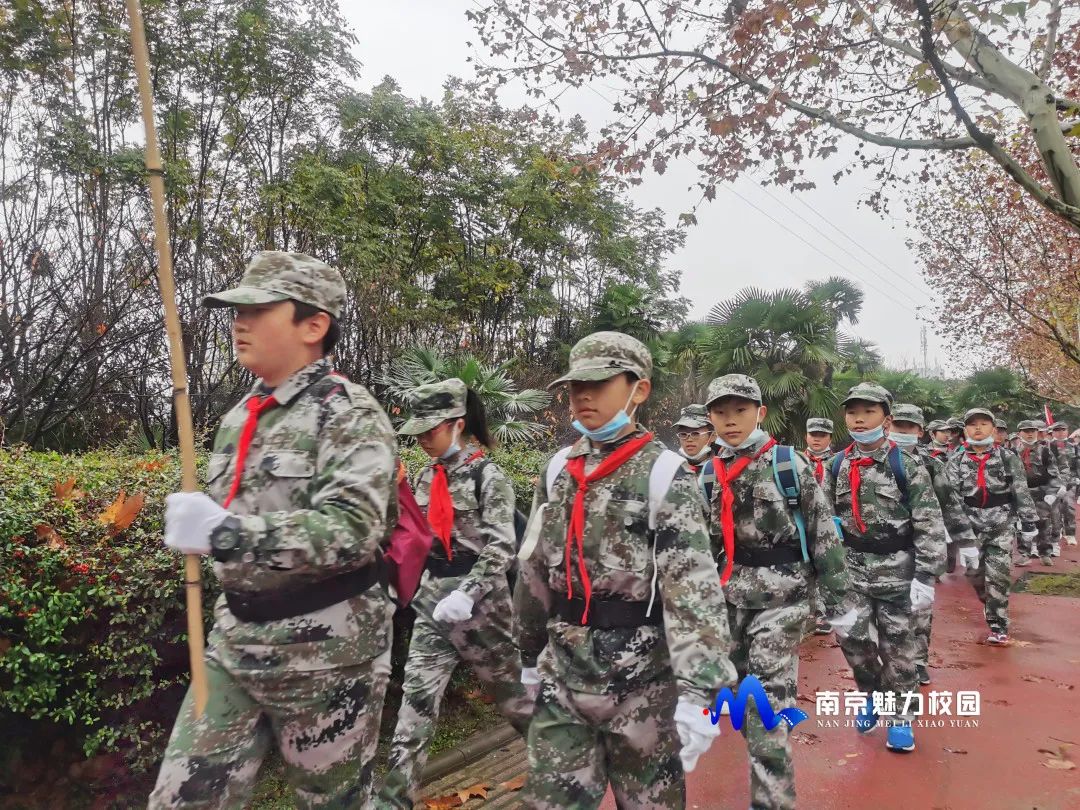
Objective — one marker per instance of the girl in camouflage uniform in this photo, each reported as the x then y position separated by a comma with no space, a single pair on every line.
463,608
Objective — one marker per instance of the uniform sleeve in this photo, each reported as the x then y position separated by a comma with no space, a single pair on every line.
826,549
497,527
1025,504
926,521
532,596
353,505
695,612
952,508
1056,481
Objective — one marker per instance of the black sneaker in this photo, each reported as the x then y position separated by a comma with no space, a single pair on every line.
822,628
923,673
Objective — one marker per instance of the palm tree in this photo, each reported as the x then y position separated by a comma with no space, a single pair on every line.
1002,391
504,404
789,342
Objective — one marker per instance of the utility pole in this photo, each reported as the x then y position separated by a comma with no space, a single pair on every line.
925,363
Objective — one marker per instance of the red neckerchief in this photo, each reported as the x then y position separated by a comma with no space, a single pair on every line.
980,478
575,531
255,407
441,506
855,479
724,477
819,466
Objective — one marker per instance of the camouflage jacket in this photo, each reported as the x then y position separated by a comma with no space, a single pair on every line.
697,466
763,520
1040,469
1067,458
886,516
484,527
693,641
317,498
1004,474
952,507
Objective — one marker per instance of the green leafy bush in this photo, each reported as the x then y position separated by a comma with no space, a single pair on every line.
520,462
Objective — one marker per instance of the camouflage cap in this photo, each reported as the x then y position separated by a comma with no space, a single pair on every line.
274,275
733,385
819,424
973,412
693,416
1028,424
955,423
935,425
1040,424
869,392
907,412
603,355
1013,437
1059,426
1000,423
433,404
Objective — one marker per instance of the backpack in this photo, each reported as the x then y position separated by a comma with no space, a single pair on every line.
661,474
786,477
896,464
521,521
410,543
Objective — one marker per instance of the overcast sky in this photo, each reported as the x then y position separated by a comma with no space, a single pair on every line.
790,240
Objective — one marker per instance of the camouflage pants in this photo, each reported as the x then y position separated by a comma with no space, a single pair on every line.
1064,515
1044,541
765,643
921,622
485,643
887,665
580,742
324,722
993,578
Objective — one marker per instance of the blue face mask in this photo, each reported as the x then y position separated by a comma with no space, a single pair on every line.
454,447
904,439
868,436
756,435
611,430
989,440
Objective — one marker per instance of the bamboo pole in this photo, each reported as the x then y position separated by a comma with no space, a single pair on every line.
181,402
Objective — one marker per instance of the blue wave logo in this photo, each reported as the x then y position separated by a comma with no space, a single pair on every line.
751,688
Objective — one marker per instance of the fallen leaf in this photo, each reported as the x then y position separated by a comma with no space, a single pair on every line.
442,802
955,750
1019,643
1059,760
152,466
477,791
65,490
479,694
1031,678
121,512
849,756
109,515
47,534
517,783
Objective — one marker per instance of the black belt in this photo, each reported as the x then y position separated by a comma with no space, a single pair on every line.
1038,481
886,545
462,564
993,499
276,605
764,557
605,614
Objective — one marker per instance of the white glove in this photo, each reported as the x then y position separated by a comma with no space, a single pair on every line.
843,623
696,732
530,679
1030,535
1049,499
189,519
457,607
922,596
968,557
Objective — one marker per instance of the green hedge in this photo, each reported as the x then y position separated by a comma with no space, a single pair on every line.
93,647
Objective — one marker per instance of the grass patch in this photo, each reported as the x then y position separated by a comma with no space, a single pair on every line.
1049,584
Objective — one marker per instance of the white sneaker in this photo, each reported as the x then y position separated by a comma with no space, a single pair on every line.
1056,550
1071,540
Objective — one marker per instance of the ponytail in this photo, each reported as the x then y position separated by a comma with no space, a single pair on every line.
476,420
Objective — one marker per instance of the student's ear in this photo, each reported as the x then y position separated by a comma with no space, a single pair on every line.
887,424
641,393
762,411
314,329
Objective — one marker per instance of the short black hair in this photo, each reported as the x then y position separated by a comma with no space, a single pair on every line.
333,333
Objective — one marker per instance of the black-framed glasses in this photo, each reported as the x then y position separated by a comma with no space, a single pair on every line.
694,434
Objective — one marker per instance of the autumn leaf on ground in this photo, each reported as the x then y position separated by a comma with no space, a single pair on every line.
517,783
47,534
65,490
152,466
1059,760
479,694
121,512
442,802
477,791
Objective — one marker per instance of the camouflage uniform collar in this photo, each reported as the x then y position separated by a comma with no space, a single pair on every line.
877,455
295,385
724,453
584,445
459,459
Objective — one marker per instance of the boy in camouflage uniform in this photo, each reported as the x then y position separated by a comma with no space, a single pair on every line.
906,430
818,452
302,500
695,434
895,548
767,580
939,438
1041,473
463,607
624,626
991,482
1067,458
1001,432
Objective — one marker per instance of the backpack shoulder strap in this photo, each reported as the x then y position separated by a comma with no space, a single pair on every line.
477,473
661,475
786,476
896,464
556,466
837,463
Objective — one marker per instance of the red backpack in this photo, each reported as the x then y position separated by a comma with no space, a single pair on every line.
410,544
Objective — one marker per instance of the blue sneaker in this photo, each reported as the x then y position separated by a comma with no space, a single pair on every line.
901,738
866,719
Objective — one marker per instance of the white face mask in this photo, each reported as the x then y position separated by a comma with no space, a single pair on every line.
904,439
698,456
756,435
454,447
